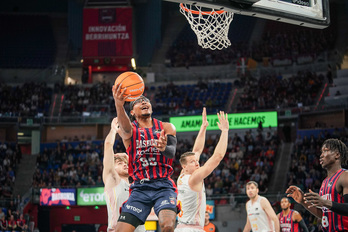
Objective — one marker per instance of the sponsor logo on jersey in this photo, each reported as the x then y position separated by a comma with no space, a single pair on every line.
145,143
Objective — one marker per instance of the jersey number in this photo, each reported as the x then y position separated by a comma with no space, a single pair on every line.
181,212
146,162
325,221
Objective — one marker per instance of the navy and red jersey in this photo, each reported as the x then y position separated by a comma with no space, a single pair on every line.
332,221
145,161
286,222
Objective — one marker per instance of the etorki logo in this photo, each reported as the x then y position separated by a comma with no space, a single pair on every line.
92,197
135,209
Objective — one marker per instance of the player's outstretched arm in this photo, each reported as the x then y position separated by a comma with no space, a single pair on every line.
196,179
108,161
298,218
297,194
271,214
124,122
200,139
340,208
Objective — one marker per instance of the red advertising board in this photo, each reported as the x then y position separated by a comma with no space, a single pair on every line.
56,196
107,32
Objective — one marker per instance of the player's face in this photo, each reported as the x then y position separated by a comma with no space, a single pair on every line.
327,157
142,107
121,167
206,217
285,204
252,191
192,164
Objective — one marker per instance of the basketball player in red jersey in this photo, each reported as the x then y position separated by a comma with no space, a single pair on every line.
151,146
290,220
331,204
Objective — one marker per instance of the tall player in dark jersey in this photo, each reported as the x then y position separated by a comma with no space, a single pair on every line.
151,146
331,204
290,220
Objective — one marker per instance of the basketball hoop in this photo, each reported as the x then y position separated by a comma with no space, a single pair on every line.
211,27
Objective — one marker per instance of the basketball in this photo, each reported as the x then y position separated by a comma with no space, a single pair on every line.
134,84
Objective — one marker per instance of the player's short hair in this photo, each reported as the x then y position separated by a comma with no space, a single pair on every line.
286,199
338,146
121,158
183,157
252,182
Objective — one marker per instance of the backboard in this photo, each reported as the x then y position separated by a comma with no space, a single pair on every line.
307,13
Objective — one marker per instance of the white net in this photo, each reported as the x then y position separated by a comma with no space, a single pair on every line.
211,27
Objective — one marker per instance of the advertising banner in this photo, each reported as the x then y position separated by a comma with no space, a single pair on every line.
236,121
210,208
56,196
91,196
107,32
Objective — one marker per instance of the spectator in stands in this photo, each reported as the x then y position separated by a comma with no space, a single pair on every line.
7,190
3,223
262,187
12,206
12,224
2,213
21,223
209,190
298,141
99,181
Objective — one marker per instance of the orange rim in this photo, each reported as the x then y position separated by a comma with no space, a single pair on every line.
201,12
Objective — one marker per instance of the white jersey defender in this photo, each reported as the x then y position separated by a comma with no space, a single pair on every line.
191,217
258,218
114,199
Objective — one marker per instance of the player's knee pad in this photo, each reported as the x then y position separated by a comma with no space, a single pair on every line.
130,219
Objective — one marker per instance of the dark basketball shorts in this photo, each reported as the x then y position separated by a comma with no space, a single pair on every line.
159,194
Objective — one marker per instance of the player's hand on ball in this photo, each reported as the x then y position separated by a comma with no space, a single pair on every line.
296,193
119,95
161,142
